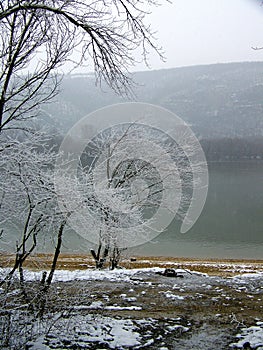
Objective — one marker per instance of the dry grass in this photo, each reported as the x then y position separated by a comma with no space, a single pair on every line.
66,261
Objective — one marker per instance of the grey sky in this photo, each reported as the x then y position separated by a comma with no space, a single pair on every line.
207,31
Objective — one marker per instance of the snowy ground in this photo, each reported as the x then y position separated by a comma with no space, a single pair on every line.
139,309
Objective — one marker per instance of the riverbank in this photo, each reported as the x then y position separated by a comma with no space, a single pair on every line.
217,267
139,308
212,304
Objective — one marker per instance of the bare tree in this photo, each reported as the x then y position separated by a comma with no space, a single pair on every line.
29,211
124,187
37,37
27,194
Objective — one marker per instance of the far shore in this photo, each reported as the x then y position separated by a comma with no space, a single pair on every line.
67,261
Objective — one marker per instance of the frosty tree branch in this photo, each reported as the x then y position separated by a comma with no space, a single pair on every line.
43,34
120,185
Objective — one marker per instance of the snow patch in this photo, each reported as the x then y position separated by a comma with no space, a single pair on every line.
172,296
105,331
117,307
252,335
121,275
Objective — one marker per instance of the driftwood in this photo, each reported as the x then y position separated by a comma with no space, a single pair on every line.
170,273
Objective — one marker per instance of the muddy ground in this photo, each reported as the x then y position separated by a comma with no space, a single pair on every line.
204,308
210,309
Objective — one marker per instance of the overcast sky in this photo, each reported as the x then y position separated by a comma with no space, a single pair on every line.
207,31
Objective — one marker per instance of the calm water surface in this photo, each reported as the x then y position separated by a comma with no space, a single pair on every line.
230,226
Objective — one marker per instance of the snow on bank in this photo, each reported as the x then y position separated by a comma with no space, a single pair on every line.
117,275
121,275
81,326
258,274
85,330
99,331
251,336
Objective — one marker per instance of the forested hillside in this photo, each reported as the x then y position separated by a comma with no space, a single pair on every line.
223,103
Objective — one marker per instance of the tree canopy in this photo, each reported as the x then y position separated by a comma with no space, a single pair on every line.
38,37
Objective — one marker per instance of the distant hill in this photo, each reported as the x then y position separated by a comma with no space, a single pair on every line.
219,101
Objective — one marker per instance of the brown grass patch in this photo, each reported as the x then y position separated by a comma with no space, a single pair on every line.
219,267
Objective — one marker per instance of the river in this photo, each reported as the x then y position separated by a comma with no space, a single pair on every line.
230,226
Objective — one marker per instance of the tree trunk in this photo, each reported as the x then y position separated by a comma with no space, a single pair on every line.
45,283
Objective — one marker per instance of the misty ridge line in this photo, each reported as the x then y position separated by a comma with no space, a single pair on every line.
222,103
